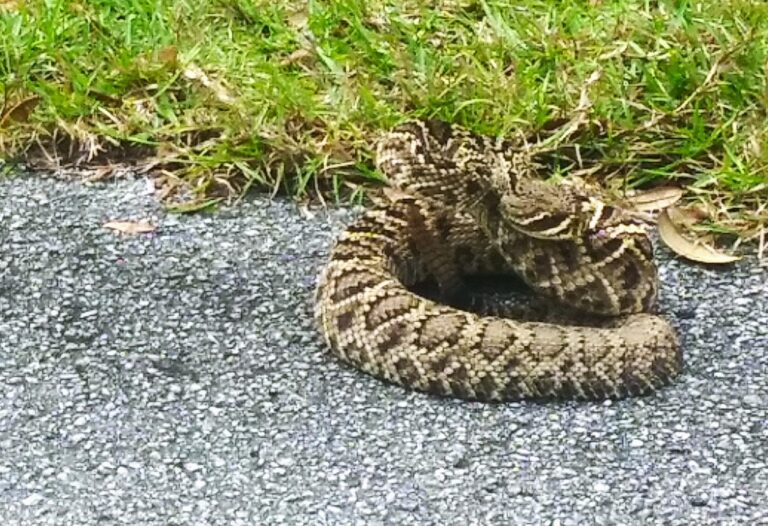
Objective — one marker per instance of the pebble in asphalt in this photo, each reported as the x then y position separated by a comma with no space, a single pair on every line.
177,378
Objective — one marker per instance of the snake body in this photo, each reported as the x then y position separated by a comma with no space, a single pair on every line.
473,204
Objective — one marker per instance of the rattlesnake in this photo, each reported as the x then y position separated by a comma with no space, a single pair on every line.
473,204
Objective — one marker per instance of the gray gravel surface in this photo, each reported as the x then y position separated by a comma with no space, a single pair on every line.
176,378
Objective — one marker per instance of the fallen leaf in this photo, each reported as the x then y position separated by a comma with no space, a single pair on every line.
130,227
683,217
300,55
656,198
168,55
193,72
20,111
673,237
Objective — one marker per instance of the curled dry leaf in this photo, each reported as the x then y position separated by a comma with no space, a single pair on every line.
656,198
672,235
130,227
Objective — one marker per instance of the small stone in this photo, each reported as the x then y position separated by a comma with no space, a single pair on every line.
192,467
285,462
408,504
724,493
32,499
699,501
601,487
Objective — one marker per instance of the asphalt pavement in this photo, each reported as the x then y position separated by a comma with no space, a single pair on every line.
176,377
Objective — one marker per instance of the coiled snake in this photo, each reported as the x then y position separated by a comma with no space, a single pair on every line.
474,204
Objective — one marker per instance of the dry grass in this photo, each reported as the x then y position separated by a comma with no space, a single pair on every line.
286,96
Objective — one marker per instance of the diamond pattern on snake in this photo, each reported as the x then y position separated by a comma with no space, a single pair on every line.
470,204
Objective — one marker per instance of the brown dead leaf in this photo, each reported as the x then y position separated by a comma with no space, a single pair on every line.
168,56
656,198
674,238
20,111
298,56
683,217
130,227
193,72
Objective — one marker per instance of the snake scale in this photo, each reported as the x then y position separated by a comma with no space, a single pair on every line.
473,204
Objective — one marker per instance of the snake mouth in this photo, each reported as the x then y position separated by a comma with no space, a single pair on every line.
630,224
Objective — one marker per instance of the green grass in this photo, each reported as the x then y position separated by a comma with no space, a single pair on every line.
289,96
